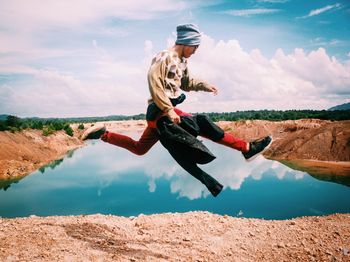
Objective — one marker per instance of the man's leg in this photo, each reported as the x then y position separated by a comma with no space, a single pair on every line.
149,137
249,149
213,132
180,154
234,142
211,183
147,140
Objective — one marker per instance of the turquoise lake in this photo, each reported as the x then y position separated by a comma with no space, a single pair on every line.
102,178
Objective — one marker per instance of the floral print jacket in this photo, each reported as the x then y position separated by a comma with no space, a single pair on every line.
168,76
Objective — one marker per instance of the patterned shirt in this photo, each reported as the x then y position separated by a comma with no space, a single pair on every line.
168,76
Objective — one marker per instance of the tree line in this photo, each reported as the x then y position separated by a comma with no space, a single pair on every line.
50,125
278,115
14,123
272,115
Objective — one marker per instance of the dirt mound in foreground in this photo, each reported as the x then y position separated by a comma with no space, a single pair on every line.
193,236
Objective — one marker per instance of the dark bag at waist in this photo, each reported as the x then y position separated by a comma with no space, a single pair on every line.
153,110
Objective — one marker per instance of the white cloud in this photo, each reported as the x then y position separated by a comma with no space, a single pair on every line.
252,81
32,30
246,81
321,42
39,14
322,10
49,93
250,12
109,86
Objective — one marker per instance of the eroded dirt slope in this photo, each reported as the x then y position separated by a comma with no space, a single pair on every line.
298,139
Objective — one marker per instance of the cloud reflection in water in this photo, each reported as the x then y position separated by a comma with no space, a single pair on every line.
230,168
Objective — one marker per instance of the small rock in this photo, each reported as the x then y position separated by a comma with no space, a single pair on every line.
312,258
251,234
345,251
186,239
292,223
329,253
307,250
281,245
314,240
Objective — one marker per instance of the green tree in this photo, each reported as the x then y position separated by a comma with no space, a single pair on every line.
47,130
68,129
37,125
3,126
13,121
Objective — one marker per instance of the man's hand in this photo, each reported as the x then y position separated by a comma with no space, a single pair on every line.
173,116
213,89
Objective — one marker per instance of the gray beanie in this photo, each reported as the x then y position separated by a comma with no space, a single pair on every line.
188,34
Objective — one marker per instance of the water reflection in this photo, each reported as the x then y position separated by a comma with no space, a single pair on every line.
343,180
55,163
324,171
101,178
6,183
229,168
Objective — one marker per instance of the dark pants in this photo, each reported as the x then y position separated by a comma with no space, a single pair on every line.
186,162
189,154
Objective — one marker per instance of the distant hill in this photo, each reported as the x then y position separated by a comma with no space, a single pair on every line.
345,106
91,118
3,117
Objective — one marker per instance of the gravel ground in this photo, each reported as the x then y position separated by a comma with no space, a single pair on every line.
192,236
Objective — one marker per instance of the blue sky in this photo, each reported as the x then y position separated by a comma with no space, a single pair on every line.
90,58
